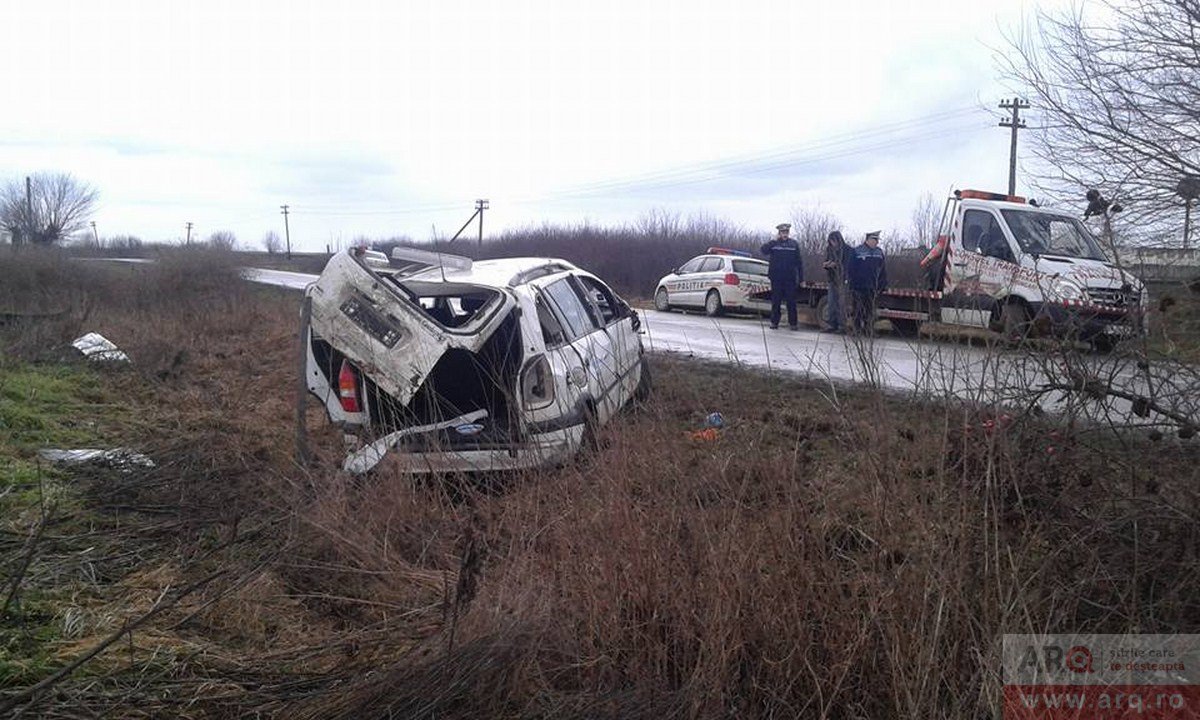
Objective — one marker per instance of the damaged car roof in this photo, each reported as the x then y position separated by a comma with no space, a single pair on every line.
501,272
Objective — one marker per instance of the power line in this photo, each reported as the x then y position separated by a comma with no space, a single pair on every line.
836,146
759,169
780,152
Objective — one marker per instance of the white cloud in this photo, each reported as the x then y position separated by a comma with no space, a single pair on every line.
403,112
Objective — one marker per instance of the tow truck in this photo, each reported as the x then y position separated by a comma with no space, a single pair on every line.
1001,263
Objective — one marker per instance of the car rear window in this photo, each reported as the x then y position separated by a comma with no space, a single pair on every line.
749,267
451,305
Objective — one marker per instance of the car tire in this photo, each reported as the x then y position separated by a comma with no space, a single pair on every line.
712,304
589,445
645,386
662,302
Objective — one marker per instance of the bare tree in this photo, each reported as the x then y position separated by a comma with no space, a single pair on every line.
46,208
222,240
1118,89
926,217
271,242
811,226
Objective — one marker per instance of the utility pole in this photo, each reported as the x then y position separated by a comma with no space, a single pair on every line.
28,231
287,233
1189,190
189,234
95,235
480,206
1016,123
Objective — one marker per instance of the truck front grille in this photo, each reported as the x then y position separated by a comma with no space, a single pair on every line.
1117,297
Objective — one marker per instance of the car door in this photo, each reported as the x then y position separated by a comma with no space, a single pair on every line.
982,268
707,276
590,346
679,286
616,320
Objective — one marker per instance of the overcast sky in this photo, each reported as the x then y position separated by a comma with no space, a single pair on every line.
381,119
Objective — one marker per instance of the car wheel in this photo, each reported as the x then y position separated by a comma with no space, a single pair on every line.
590,444
1015,321
661,301
712,304
645,384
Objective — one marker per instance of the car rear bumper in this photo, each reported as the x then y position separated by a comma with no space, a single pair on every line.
540,450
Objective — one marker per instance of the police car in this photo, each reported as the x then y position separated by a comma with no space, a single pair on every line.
720,280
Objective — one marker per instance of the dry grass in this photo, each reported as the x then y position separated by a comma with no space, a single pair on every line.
840,555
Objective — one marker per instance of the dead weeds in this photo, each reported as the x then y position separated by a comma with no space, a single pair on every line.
829,553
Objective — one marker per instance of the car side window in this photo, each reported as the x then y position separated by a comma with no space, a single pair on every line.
689,267
606,304
570,308
984,235
552,330
711,264
976,224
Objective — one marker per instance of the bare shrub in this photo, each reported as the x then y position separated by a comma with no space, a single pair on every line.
222,240
272,243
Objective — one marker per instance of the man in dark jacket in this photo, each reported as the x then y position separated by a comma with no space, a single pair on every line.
837,263
786,272
868,278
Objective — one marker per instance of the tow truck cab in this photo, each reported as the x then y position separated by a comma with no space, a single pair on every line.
1010,265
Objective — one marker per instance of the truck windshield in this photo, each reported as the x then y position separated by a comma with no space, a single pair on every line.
1045,234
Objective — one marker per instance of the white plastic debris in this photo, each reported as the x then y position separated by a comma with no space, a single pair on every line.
122,459
369,456
97,348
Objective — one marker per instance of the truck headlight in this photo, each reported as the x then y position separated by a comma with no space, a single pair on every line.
1064,289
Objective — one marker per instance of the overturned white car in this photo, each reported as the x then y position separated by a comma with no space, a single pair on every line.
454,365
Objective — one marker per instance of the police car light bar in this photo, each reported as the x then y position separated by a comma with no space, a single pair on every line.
981,195
727,251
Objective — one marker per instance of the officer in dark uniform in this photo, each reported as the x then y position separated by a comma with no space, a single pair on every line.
868,278
786,272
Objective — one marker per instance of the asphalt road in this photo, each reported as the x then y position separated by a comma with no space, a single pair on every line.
919,367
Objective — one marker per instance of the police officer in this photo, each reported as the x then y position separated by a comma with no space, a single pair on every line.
786,272
868,278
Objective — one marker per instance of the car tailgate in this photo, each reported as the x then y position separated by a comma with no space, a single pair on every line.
385,333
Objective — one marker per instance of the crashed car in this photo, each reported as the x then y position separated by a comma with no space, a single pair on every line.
719,281
453,365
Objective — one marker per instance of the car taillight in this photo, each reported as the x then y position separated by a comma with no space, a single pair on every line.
732,279
537,384
348,388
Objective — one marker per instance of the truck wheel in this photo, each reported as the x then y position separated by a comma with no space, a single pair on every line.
712,304
823,311
906,328
661,301
1015,322
1104,343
